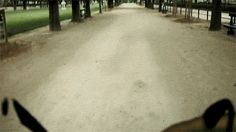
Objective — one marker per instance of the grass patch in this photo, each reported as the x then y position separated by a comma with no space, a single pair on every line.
21,21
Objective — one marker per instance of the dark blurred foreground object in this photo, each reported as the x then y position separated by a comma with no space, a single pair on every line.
216,111
5,106
27,119
219,117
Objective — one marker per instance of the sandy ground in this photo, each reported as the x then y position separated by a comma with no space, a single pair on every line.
128,70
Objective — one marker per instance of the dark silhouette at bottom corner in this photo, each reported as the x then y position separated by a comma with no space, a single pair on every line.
218,117
27,119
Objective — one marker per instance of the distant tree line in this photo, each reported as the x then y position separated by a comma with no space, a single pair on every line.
26,3
54,22
23,3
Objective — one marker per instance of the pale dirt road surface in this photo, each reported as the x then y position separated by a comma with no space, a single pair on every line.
128,70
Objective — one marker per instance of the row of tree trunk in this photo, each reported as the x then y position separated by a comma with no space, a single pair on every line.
215,23
54,19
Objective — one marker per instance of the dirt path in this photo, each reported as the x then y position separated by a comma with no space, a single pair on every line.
128,70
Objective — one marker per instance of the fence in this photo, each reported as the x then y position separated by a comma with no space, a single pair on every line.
202,13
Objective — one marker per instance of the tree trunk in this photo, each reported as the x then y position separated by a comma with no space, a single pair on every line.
152,4
216,16
54,21
174,7
116,3
24,4
188,10
160,5
40,3
34,3
14,4
148,3
87,8
110,3
75,11
100,6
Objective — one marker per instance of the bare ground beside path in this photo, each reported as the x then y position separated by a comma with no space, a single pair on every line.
127,70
